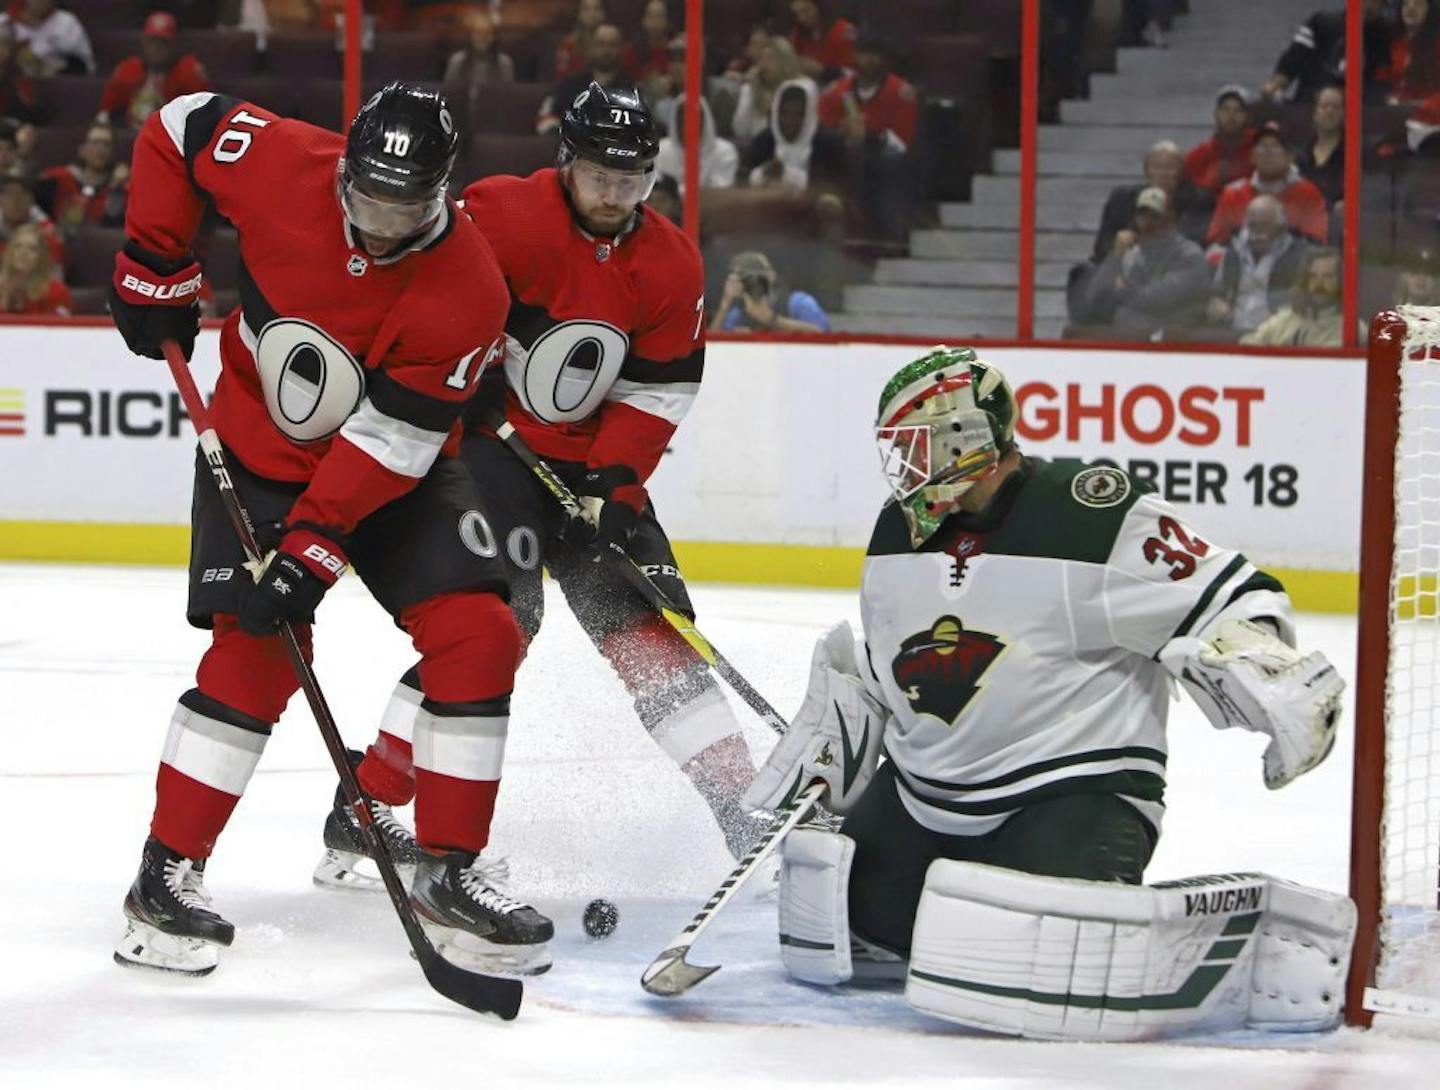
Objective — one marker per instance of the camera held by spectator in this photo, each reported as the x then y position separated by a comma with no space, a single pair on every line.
750,297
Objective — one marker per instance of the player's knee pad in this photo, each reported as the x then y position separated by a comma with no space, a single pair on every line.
251,674
814,905
1066,959
469,646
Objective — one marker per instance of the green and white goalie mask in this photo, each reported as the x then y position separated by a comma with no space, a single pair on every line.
945,422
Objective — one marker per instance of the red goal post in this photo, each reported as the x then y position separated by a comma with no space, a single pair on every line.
1395,817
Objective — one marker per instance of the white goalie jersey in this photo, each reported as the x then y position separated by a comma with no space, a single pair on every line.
1021,654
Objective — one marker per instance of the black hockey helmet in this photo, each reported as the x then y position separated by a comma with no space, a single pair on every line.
610,126
398,159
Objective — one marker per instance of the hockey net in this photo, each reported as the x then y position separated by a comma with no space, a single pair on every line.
1395,843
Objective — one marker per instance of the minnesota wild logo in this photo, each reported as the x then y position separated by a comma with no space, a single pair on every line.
939,670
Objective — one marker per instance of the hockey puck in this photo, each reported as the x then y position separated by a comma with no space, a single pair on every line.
600,918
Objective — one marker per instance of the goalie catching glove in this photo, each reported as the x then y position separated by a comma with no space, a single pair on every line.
1247,677
834,737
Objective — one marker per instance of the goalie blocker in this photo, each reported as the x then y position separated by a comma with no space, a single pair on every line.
1063,959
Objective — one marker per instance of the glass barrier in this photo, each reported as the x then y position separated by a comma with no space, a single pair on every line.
860,165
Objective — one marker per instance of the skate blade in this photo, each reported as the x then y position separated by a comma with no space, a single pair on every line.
146,947
340,869
474,953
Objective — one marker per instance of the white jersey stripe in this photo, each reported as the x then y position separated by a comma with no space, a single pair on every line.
219,755
175,113
465,747
668,400
399,447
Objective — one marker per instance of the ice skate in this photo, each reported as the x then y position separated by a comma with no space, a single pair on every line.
348,862
472,923
171,925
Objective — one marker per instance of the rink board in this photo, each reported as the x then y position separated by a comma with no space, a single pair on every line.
774,477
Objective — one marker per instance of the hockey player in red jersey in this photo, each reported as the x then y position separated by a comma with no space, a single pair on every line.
369,305
605,347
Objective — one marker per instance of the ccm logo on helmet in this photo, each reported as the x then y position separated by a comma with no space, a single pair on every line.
131,282
627,153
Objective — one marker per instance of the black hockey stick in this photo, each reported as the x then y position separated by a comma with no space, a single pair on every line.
636,577
670,974
478,992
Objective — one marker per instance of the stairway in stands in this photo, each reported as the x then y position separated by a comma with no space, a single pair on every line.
960,278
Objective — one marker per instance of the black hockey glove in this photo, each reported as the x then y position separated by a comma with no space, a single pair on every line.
290,586
153,299
610,501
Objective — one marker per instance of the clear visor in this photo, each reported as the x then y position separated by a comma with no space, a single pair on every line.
387,219
596,184
905,457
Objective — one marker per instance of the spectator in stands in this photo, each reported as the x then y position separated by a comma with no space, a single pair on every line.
1322,159
1153,279
1418,281
1165,169
1149,21
19,97
1315,57
651,59
28,284
573,54
776,64
719,159
51,39
468,70
1275,172
1313,318
606,45
826,47
1214,163
875,112
145,81
664,199
14,158
745,61
1414,70
794,152
93,189
1258,270
749,301
17,209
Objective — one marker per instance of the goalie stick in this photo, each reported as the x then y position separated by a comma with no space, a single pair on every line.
478,992
670,975
636,577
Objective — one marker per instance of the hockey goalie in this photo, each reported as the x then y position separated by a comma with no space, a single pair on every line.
1024,624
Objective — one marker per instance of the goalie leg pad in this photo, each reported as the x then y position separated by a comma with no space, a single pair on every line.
1063,959
814,914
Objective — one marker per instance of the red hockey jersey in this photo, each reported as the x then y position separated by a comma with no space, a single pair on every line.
606,336
338,369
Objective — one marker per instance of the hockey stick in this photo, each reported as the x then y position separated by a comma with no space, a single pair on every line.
478,992
670,974
636,577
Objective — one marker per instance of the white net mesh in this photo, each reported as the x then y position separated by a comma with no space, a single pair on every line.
1410,881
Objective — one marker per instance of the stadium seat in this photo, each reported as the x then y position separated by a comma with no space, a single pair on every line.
307,56
506,108
951,66
407,56
105,14
90,300
275,94
997,21
219,255
71,100
113,44
492,154
226,54
55,145
91,255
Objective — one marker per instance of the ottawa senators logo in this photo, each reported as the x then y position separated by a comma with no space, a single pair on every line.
939,671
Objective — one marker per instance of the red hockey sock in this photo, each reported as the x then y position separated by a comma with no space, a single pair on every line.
452,814
189,815
388,771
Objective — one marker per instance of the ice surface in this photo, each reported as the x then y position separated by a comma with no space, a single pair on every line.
319,988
